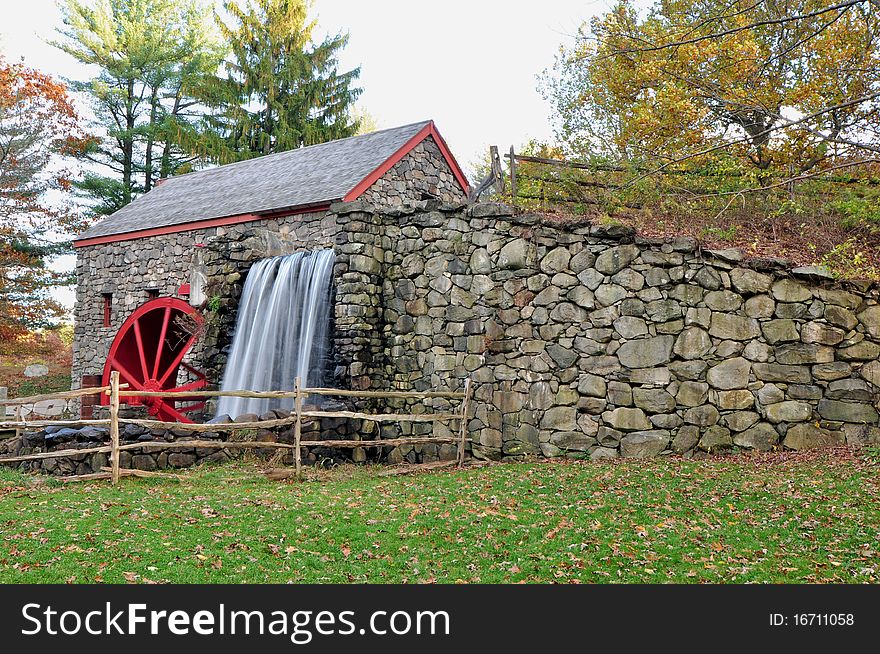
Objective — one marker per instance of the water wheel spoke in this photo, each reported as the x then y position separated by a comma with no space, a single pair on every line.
177,359
165,320
191,386
170,412
140,347
131,379
197,373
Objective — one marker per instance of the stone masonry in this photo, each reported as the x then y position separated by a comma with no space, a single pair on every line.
581,340
587,340
420,175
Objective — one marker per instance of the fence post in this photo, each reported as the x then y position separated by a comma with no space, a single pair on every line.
297,428
465,407
18,429
114,427
512,176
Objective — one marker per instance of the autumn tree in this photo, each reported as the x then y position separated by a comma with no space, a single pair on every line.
281,89
779,85
152,57
39,128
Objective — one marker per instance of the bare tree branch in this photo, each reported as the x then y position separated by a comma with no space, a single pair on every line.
743,28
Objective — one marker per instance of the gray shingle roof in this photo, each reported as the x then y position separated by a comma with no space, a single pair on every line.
316,174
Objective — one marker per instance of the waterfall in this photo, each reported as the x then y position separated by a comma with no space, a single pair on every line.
282,331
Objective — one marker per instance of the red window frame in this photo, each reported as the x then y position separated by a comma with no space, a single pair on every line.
108,308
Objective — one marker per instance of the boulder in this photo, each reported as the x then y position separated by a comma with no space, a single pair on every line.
566,312
835,370
843,318
36,370
789,411
560,418
733,400
799,353
686,439
608,294
514,255
775,372
572,440
807,436
749,281
870,371
740,420
692,393
627,419
730,374
856,390
630,327
870,318
770,394
591,385
760,306
812,272
653,400
643,444
556,260
702,416
776,331
615,259
862,351
562,356
714,438
692,343
760,437
817,332
603,453
788,290
646,352
847,411
730,326
723,300
840,298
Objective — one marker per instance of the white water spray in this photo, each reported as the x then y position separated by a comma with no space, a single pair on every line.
282,331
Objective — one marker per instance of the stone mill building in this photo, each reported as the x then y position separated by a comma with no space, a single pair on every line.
581,339
194,236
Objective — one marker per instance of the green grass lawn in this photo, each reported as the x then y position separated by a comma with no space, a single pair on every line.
767,518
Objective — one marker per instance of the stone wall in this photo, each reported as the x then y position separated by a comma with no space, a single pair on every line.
586,340
421,175
581,340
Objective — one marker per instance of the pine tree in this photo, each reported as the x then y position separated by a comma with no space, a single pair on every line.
152,55
281,90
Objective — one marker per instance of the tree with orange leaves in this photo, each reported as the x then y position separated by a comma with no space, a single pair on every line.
39,128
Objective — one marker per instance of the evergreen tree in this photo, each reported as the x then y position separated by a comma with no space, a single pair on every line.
152,55
281,90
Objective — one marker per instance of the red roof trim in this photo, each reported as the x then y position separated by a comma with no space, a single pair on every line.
428,130
187,227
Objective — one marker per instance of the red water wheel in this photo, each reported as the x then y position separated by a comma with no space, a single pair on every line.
148,352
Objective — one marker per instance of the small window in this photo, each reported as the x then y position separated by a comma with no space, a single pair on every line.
152,293
108,305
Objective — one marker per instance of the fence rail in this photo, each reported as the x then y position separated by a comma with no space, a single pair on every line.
116,391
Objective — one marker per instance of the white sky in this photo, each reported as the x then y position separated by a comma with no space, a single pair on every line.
469,65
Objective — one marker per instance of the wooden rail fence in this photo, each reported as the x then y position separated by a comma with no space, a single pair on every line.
114,390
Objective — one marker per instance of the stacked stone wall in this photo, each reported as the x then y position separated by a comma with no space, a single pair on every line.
585,340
